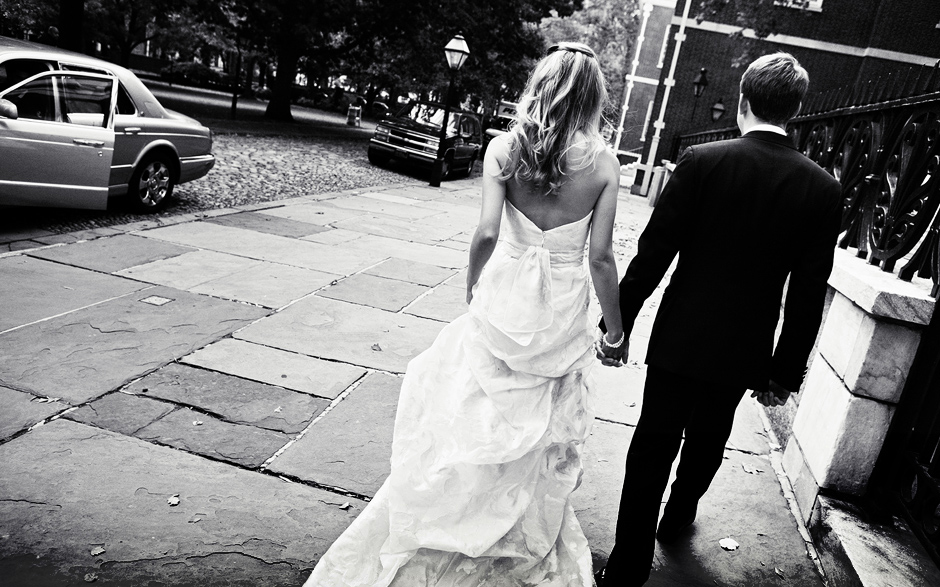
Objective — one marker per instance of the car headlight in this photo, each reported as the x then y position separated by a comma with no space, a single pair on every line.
381,133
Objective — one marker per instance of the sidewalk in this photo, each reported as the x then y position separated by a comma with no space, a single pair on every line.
211,402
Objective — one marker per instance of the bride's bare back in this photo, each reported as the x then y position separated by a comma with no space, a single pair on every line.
576,197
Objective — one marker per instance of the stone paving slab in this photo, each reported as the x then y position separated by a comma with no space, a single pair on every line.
231,527
429,231
271,285
268,247
321,213
237,400
206,435
748,507
89,352
22,410
417,192
384,207
111,254
420,252
375,292
444,304
190,269
359,335
34,289
269,224
333,236
410,271
351,445
276,367
121,413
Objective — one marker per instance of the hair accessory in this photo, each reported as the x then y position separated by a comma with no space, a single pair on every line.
615,345
569,48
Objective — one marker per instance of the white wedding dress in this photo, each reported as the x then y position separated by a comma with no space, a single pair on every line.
488,436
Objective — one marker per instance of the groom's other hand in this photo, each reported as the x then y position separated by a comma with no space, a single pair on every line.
776,395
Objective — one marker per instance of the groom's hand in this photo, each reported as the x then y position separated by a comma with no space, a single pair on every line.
776,395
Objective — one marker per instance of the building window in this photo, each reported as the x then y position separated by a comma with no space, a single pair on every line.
811,5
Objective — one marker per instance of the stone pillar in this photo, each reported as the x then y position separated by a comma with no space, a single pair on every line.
866,348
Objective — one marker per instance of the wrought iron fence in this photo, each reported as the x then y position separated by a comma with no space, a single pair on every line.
881,140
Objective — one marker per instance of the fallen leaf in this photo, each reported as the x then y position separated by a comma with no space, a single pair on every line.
376,347
345,506
96,551
631,405
67,287
46,400
91,577
278,409
197,422
779,572
283,376
195,519
728,544
174,500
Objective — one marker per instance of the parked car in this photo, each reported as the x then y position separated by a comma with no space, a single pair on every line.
414,136
75,131
499,124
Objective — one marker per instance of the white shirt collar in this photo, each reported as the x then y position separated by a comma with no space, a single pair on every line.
767,127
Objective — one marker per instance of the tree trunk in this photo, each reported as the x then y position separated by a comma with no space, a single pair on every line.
71,17
279,105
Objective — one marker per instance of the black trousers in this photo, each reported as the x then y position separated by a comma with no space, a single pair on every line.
672,405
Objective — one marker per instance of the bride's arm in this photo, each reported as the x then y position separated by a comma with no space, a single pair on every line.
601,255
494,192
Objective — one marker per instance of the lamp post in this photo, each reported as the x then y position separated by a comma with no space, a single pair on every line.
456,52
698,87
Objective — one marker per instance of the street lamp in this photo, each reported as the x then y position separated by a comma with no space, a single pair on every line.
718,110
698,87
456,52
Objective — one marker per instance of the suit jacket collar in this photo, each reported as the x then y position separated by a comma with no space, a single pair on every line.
771,137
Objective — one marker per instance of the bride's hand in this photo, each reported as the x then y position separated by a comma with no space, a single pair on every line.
611,356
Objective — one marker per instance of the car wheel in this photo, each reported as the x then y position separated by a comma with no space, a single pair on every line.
446,168
151,185
378,158
469,170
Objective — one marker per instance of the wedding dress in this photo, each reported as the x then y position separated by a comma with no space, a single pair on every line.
488,435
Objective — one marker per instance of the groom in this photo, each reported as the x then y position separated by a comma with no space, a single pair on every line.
742,215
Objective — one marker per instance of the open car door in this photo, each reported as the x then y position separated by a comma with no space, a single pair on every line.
58,148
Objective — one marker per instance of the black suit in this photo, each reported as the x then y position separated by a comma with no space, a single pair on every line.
742,215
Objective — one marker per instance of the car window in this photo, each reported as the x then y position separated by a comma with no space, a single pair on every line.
81,100
125,105
431,115
35,100
13,71
86,100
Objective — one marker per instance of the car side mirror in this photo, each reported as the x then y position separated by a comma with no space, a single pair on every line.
8,109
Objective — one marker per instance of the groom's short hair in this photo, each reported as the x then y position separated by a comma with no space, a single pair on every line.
774,86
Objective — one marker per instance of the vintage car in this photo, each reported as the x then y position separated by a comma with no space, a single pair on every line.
414,136
75,130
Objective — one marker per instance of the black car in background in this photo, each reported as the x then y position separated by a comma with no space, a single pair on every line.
413,136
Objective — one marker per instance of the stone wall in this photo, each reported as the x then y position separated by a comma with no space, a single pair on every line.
865,349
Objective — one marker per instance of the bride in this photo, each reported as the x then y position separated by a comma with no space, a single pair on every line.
493,417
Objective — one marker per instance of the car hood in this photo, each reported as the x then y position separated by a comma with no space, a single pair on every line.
411,124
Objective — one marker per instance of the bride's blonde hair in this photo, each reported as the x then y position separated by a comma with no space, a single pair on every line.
565,95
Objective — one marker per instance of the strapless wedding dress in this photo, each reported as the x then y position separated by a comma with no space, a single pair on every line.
488,436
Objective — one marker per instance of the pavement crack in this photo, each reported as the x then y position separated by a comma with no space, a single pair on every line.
30,502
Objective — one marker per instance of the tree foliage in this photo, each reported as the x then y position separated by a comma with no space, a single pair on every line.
764,17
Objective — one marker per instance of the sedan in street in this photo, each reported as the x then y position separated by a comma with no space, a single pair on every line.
76,131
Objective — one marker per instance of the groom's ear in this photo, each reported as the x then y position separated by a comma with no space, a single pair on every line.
743,105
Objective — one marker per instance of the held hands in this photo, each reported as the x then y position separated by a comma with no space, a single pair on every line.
611,356
776,395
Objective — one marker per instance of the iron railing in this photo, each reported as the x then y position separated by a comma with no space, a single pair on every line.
881,140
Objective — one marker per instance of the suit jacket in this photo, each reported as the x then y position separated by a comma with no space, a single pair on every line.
742,215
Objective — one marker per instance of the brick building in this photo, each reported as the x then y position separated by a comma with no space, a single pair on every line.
842,43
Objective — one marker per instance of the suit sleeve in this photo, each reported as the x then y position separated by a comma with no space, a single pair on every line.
659,242
806,295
